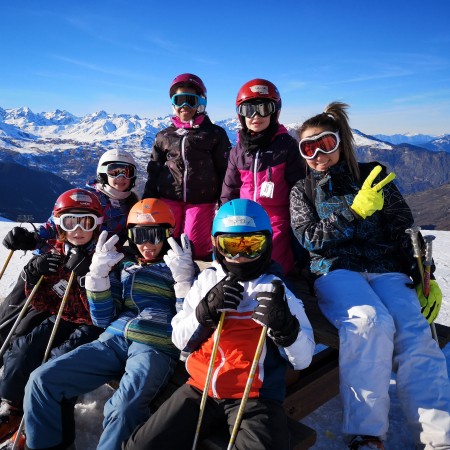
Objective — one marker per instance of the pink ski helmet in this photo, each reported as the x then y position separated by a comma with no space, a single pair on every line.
188,80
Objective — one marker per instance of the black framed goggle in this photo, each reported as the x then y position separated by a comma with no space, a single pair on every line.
153,235
115,170
263,109
248,245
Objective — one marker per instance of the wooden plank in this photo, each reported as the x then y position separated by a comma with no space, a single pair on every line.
443,333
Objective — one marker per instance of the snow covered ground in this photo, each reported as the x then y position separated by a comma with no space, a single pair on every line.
325,420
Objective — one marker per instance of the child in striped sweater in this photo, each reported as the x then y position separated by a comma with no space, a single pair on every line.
135,302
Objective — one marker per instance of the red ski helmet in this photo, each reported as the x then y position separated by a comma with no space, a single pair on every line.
259,89
77,199
188,80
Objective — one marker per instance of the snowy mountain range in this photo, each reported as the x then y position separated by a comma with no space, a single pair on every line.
69,146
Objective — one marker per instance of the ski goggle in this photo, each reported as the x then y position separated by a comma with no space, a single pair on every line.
153,235
70,222
190,100
326,142
236,245
263,109
115,170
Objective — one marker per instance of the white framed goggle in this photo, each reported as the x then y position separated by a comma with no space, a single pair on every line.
70,222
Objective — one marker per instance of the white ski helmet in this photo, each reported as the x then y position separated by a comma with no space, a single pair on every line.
115,156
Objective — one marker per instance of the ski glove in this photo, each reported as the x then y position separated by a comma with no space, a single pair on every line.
432,304
78,262
105,257
224,296
20,238
179,261
370,198
274,313
45,264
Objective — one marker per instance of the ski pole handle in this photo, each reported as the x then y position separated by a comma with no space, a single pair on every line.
413,233
428,262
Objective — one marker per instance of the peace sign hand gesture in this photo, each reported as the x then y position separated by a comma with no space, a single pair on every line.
370,198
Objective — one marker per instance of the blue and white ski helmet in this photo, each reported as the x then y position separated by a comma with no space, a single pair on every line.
241,216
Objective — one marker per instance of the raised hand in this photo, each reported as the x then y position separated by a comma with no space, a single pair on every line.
104,259
20,238
370,198
179,261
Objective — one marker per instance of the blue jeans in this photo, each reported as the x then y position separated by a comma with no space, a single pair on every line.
143,372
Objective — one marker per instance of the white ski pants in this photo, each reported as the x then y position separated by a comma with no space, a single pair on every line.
381,329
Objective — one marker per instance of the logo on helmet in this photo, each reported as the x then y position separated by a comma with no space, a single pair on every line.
235,221
82,198
145,217
260,89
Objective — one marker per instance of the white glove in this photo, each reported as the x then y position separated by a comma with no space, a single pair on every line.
179,261
105,257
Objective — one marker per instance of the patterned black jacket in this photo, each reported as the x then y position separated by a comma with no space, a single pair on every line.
324,224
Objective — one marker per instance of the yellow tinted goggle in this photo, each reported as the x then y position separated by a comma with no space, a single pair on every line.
247,245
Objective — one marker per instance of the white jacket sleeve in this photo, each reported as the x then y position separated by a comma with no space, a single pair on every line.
186,328
300,353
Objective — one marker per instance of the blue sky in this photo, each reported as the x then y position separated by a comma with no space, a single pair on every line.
390,60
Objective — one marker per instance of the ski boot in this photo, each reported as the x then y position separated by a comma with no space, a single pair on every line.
366,443
9,443
10,418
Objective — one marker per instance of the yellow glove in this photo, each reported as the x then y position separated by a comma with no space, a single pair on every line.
432,304
370,198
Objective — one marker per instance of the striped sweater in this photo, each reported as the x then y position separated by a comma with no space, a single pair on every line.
139,305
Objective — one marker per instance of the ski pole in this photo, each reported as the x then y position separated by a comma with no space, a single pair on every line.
414,232
49,345
208,379
427,275
22,313
11,252
427,263
251,376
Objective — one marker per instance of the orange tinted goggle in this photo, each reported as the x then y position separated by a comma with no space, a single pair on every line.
326,142
246,245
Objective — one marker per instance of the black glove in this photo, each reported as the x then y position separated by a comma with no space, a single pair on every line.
274,313
45,264
224,296
79,261
20,238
